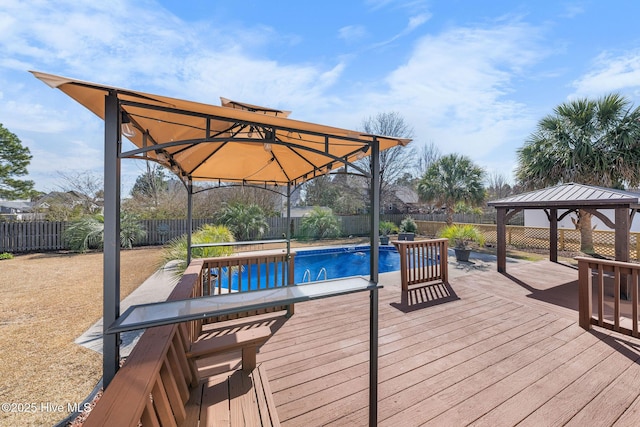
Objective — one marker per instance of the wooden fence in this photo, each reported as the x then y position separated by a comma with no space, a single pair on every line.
31,236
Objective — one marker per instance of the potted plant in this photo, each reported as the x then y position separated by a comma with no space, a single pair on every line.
386,228
462,237
408,228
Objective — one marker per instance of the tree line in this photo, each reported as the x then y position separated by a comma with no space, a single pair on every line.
587,141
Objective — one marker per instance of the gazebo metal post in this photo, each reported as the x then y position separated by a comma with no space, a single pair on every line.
288,227
553,235
288,237
189,218
111,252
501,237
373,315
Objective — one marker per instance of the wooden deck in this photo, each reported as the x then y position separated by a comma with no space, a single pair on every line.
500,351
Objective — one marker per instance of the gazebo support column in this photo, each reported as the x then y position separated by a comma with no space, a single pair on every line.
501,237
189,219
373,315
622,245
553,235
111,252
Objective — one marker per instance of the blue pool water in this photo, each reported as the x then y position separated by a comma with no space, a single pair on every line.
310,265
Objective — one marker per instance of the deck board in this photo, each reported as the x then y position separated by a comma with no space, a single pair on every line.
507,351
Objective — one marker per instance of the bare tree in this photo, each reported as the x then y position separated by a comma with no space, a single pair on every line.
86,185
498,186
396,161
428,155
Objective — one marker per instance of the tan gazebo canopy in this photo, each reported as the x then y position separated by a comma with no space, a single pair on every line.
235,142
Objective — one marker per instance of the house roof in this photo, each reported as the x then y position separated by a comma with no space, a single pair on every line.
406,195
20,205
571,196
235,142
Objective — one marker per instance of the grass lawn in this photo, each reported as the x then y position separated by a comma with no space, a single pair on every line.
46,301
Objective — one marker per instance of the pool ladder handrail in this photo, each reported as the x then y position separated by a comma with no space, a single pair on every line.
307,272
320,274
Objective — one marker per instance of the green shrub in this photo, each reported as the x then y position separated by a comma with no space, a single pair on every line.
246,222
320,224
387,227
88,232
176,250
85,233
6,255
408,225
462,236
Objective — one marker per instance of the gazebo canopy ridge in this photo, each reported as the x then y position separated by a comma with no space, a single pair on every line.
570,196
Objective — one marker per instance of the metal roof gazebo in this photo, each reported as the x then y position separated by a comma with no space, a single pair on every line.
569,198
234,143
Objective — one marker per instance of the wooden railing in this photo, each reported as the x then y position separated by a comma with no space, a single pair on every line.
613,286
422,262
247,271
244,272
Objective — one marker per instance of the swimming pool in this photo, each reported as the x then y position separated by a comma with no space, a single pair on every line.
333,263
320,264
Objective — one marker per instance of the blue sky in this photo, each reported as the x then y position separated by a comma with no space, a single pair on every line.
472,77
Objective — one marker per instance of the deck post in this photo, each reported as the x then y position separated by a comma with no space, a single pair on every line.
584,294
111,251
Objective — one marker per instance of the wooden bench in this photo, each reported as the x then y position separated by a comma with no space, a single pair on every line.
248,340
155,386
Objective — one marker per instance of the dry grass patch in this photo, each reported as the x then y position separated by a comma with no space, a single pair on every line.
46,302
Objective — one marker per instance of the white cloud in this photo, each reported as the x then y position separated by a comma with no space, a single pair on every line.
610,74
352,33
455,86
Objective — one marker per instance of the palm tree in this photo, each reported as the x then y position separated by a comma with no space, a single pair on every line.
88,232
451,179
592,142
245,221
177,249
320,224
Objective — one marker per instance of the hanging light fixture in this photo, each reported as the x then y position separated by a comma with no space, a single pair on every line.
126,127
267,147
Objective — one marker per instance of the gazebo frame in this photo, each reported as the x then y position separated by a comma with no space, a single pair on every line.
237,143
569,198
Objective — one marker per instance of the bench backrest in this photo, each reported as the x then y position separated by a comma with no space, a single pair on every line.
152,386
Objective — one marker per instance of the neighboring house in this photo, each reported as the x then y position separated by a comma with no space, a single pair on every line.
17,210
402,200
69,199
300,211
